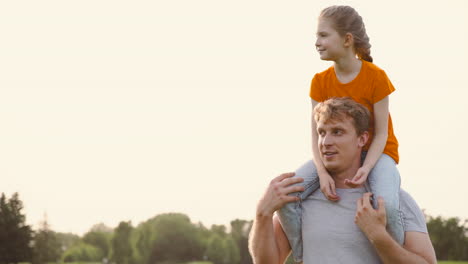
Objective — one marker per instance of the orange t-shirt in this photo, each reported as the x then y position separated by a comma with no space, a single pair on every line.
370,86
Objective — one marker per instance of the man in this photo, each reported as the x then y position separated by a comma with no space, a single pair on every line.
349,230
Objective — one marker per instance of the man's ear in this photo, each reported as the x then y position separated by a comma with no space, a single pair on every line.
363,138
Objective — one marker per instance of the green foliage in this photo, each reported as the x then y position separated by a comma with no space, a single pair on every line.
449,237
220,230
15,235
67,240
222,250
216,251
174,238
122,251
101,240
47,247
142,240
82,252
240,230
232,251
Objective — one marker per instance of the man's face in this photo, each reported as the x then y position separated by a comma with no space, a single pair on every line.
339,145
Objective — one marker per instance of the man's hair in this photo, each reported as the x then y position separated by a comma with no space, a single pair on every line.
338,108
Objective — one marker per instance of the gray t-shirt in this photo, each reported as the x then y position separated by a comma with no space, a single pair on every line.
331,236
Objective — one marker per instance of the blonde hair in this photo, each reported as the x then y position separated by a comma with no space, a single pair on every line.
337,108
347,20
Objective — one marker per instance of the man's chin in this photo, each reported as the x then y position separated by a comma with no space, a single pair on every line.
330,167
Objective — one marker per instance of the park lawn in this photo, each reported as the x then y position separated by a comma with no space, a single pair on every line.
207,262
66,263
193,262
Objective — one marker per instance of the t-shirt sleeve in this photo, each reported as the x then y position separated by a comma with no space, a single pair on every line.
413,217
382,86
316,89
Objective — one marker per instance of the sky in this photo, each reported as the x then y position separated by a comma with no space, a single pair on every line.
122,110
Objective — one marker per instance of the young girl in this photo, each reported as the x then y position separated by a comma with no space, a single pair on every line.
342,38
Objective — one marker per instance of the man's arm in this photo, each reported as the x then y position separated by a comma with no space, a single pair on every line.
416,249
268,243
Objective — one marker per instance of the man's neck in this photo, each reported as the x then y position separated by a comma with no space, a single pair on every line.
340,177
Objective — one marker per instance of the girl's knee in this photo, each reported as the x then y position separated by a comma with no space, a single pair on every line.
385,162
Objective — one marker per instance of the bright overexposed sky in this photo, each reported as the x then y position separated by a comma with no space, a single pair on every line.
121,110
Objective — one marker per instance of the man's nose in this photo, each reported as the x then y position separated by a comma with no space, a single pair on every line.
327,140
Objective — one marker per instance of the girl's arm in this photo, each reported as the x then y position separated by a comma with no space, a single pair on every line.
379,141
327,184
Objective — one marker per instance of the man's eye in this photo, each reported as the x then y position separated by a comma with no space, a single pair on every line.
338,132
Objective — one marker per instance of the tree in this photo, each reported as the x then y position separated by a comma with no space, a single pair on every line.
175,239
15,235
240,230
232,251
99,240
220,230
101,227
82,252
216,251
144,239
122,251
449,237
222,250
67,240
47,247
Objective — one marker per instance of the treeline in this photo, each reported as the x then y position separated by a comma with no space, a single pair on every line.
164,239
449,237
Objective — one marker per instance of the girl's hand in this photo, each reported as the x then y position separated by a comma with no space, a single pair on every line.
359,178
327,186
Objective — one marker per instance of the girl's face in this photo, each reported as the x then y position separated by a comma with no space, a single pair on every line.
329,44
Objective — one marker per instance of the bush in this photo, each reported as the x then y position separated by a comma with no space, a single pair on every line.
82,252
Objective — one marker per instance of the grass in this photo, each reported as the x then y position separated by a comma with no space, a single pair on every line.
207,262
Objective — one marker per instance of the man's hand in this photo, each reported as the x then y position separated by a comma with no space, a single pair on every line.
276,195
359,178
327,186
372,222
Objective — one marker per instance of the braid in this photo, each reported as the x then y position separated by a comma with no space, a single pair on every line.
363,49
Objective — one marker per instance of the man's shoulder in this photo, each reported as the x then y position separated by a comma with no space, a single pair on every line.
412,215
407,200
